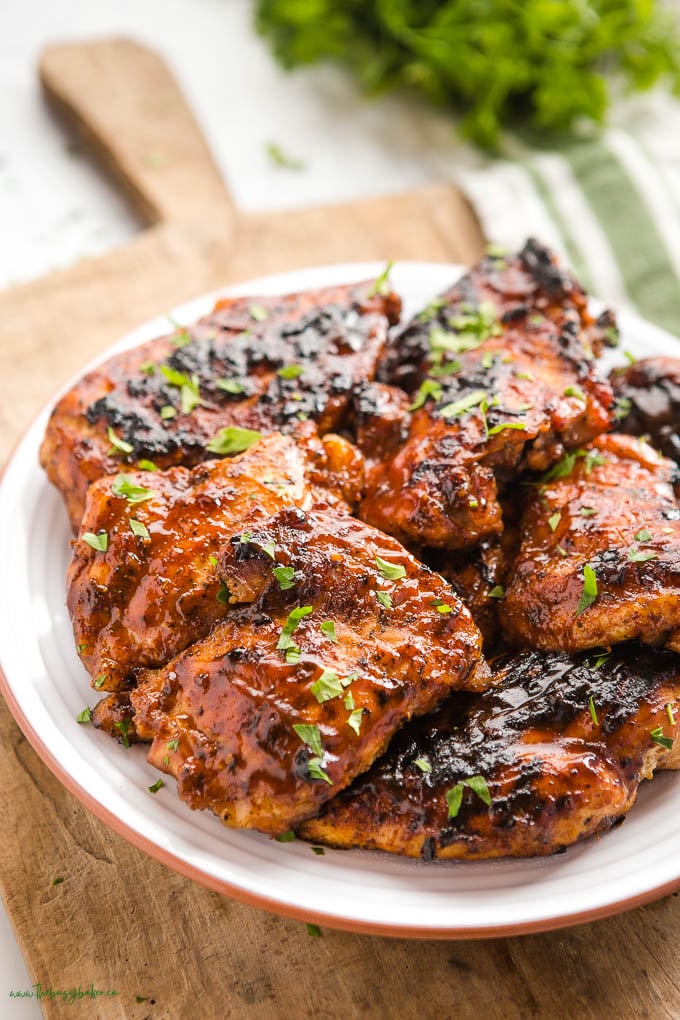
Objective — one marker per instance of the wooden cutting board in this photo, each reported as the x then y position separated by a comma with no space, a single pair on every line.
120,921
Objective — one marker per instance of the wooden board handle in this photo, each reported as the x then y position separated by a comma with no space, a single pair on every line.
122,101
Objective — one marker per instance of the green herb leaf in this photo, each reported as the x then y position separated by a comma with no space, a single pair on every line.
58,880
454,797
593,712
327,628
354,721
441,606
448,368
316,770
505,425
428,388
670,712
85,716
125,488
554,520
100,541
147,368
381,285
233,439
139,529
658,738
279,158
119,444
423,764
390,571
313,930
497,592
643,535
100,681
258,312
327,687
318,850
590,591
285,837
156,786
123,727
230,385
147,465
167,412
285,639
587,511
601,659
285,576
292,655
575,391
466,403
638,556
173,745
384,599
311,736
290,371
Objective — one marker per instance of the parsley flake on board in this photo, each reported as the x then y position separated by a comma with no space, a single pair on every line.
85,716
99,542
123,727
285,837
233,439
155,787
454,796
279,158
590,592
286,636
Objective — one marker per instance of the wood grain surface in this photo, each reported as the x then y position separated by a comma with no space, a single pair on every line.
119,920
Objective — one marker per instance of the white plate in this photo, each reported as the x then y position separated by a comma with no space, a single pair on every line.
46,687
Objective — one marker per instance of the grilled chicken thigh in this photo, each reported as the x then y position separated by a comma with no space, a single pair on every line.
648,392
554,752
262,364
500,371
600,556
151,584
340,637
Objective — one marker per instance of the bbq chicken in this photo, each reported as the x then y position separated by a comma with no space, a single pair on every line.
648,393
552,753
338,637
599,561
260,364
502,376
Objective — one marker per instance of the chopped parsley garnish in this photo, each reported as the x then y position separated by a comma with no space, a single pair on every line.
233,439
155,787
348,701
167,412
441,606
524,375
564,467
448,368
316,770
58,880
622,408
381,285
601,659
257,312
423,764
100,541
587,511
147,465
454,797
290,371
670,712
188,387
465,403
497,592
285,639
428,388
639,556
643,535
230,385
279,158
519,425
575,391
487,360
327,687
593,711
589,593
183,336
270,549
384,599
311,736
318,850
292,655
314,931
85,716
657,736
173,745
630,358
123,727
139,529
285,576
475,325
430,310
100,681
124,488
354,720
117,443
285,837
390,571
223,594
554,520
327,628
147,367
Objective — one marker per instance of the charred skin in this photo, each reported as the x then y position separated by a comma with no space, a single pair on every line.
510,347
554,775
649,399
147,597
332,337
617,489
221,714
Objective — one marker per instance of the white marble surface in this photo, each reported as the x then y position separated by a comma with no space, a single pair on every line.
54,209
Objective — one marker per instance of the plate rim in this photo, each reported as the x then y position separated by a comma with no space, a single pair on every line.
194,872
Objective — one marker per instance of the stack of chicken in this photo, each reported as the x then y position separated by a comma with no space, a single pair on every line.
412,586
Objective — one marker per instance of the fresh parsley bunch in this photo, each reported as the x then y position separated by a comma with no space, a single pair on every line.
542,63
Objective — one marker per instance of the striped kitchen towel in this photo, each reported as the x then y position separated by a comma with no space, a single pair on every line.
609,203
